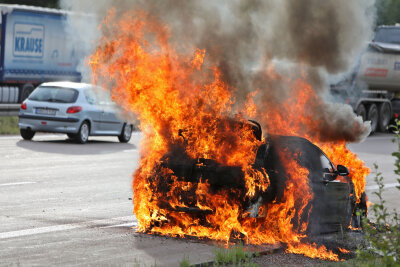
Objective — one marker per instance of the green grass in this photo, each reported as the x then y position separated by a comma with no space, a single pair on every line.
354,263
9,125
185,262
235,256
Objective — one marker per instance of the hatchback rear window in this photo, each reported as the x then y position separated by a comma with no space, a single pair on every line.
54,94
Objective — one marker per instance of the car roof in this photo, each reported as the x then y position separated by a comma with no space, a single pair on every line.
72,85
298,144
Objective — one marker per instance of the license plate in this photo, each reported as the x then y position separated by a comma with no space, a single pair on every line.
45,111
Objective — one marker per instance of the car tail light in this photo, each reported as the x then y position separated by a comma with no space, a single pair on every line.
23,105
74,109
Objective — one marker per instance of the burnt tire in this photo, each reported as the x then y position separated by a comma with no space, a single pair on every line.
362,112
27,134
385,114
83,134
373,117
359,212
126,133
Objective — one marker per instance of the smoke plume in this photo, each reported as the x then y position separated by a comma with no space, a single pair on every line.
308,39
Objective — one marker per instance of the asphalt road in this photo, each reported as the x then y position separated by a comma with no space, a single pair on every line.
378,149
67,204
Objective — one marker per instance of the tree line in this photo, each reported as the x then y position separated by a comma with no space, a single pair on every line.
388,11
42,3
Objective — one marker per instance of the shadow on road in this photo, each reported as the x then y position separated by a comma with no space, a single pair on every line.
68,146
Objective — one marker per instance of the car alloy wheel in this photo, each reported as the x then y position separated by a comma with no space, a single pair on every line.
127,132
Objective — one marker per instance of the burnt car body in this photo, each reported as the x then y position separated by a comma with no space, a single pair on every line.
333,207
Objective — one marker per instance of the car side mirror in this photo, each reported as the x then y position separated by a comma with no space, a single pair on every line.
342,170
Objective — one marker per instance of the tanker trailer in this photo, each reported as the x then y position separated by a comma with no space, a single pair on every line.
373,89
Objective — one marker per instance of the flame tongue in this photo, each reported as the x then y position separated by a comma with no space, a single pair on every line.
184,108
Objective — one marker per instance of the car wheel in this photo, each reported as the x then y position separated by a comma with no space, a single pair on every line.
373,116
361,111
385,115
126,133
83,133
27,134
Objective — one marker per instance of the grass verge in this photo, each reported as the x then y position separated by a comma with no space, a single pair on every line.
235,256
9,125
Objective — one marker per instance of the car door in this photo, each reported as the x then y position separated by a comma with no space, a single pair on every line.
110,124
93,111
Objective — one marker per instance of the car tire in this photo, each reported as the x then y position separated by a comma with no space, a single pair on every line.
126,133
27,134
359,212
83,134
362,112
71,136
373,117
385,114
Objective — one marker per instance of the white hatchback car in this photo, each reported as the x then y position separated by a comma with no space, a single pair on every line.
71,108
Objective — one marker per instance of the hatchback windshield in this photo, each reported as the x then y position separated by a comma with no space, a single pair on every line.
54,94
388,35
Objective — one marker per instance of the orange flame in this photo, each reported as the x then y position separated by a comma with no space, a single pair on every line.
344,251
293,117
182,101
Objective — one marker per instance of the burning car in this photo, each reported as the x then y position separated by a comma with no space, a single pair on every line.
332,207
204,171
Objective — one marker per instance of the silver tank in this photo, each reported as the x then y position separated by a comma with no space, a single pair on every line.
380,65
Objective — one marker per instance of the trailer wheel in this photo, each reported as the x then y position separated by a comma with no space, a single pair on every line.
361,111
384,116
373,116
26,90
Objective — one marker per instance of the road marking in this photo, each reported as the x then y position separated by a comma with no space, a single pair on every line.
130,224
64,227
375,187
19,183
128,150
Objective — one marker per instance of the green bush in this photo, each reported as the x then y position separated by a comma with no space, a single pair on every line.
383,236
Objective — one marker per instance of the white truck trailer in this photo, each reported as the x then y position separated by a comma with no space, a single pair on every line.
35,47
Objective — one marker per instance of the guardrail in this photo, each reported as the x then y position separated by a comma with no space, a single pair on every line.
9,109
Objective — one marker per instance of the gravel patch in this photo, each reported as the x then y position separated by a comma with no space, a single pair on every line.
284,259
